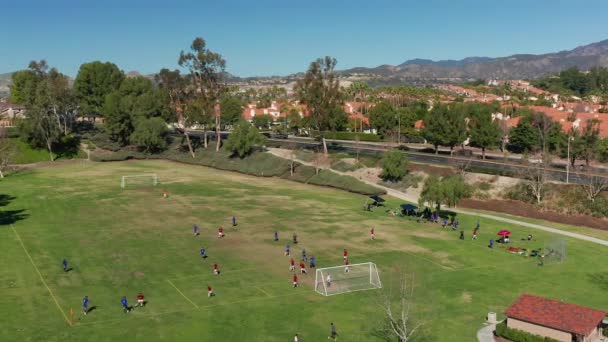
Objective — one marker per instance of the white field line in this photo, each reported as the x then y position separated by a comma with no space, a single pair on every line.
181,293
40,275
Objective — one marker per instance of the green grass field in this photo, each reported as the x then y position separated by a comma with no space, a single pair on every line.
122,242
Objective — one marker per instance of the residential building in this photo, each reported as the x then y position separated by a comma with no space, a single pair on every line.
555,319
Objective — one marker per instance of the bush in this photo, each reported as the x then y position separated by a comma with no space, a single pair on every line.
243,139
102,140
352,136
484,186
519,336
394,166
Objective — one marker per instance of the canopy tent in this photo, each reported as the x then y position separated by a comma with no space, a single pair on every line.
377,199
408,207
504,233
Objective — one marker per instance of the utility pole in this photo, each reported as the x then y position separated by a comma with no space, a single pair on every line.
568,162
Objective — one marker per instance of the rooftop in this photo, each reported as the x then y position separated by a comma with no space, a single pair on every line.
555,314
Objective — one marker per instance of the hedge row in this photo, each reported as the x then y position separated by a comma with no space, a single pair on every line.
257,164
519,336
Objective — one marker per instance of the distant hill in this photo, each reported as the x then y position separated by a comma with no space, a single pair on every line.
523,66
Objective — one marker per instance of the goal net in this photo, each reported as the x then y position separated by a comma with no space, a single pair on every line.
336,280
139,180
554,251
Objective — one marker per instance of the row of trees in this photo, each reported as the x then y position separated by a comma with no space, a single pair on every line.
450,125
138,110
573,81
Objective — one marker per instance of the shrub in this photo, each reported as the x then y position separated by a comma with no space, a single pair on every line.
150,134
394,166
484,186
519,336
102,140
243,139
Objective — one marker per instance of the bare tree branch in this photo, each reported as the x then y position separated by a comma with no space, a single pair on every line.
593,185
397,311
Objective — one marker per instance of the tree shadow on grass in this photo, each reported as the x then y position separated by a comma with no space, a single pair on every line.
600,279
5,199
8,217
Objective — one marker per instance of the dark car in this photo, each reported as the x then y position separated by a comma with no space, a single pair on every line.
279,135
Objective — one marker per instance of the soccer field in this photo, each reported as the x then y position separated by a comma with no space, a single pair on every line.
121,242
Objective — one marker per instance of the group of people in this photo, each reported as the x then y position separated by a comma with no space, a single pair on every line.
292,262
203,251
123,302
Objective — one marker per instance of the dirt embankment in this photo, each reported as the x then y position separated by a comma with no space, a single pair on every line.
528,210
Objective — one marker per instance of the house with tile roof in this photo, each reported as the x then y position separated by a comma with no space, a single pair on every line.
555,319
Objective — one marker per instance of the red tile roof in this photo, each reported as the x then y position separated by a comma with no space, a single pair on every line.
555,314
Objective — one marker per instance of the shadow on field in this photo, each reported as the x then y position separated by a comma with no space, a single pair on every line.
600,279
10,216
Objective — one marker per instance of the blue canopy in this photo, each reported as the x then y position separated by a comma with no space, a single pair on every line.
377,198
408,207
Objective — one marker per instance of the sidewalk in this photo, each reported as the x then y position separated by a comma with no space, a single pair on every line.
486,334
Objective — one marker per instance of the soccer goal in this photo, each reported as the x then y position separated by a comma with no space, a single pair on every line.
150,179
331,281
554,252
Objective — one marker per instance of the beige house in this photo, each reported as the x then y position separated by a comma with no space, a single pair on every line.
558,320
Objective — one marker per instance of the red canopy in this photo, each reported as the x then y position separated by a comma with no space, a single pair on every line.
504,232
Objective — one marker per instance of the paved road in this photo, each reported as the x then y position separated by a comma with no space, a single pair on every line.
414,199
511,169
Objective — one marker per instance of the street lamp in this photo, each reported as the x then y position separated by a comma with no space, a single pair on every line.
568,161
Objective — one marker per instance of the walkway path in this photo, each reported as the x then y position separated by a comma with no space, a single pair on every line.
486,334
414,199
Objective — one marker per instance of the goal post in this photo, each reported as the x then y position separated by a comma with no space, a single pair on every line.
149,179
331,281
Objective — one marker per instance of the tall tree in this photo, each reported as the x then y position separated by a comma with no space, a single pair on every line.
232,109
95,80
181,99
319,90
47,96
136,99
484,132
383,117
445,126
584,144
23,87
262,121
207,69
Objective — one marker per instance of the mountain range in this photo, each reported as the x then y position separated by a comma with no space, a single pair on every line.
522,66
426,71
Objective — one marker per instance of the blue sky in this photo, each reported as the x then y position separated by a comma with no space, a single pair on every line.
278,37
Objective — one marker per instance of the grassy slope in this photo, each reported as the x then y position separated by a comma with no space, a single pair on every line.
120,243
26,154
